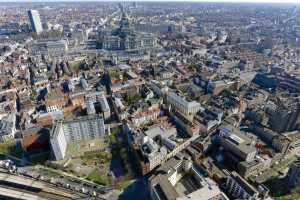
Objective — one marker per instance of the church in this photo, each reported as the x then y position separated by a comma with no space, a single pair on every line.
125,38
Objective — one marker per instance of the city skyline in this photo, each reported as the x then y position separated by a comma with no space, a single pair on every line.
152,100
200,1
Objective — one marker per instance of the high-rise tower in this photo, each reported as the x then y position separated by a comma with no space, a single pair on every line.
35,21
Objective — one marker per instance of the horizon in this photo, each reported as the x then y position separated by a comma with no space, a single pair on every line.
195,1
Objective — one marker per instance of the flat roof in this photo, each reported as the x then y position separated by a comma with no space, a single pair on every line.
163,188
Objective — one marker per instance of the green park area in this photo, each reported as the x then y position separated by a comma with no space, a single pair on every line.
98,178
11,148
96,158
75,66
132,99
99,163
111,168
105,162
113,74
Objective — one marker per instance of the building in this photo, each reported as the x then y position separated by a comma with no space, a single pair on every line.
289,82
84,128
7,102
247,169
7,127
74,130
35,139
104,107
171,182
156,145
216,87
182,105
55,103
185,124
210,118
279,142
35,21
58,141
94,96
266,80
285,117
160,28
240,188
98,99
142,113
49,47
294,139
90,108
237,144
125,38
84,84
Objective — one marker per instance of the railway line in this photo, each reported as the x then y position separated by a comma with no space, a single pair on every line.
25,188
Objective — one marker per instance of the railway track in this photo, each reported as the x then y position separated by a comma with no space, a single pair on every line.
28,187
39,194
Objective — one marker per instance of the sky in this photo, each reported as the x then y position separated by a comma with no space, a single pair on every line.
254,1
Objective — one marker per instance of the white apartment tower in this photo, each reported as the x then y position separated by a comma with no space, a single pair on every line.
35,21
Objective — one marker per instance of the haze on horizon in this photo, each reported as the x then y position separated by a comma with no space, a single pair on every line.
231,1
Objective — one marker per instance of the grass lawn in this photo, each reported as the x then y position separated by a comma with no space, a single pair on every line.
97,178
124,184
76,65
76,149
131,99
51,172
96,158
10,148
114,74
40,158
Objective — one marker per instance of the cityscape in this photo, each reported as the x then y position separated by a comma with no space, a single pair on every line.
149,100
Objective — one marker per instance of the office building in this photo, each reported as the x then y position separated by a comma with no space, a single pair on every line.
35,21
237,144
